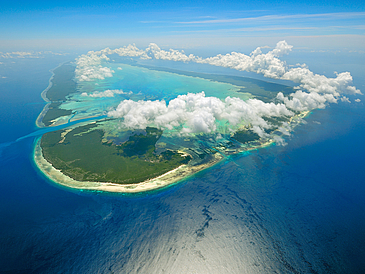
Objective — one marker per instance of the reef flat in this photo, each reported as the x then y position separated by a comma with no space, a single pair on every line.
107,156
262,90
56,173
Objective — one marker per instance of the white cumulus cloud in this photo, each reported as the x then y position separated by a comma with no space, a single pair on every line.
267,64
106,93
88,67
345,99
129,51
301,101
314,90
20,54
173,55
195,113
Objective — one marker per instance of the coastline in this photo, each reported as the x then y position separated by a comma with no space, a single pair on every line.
39,119
169,178
164,180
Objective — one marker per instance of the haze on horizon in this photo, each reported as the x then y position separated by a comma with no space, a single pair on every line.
216,26
292,208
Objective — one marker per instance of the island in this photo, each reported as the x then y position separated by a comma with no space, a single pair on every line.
92,151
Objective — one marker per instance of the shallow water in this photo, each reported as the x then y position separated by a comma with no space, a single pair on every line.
140,83
292,209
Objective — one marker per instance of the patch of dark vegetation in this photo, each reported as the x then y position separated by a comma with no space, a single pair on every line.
141,144
83,156
276,122
54,112
63,84
245,136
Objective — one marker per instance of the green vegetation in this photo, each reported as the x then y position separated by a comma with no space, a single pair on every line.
62,85
245,136
141,145
276,122
262,90
83,156
54,112
86,153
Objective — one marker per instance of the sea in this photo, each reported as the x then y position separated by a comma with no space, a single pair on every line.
297,208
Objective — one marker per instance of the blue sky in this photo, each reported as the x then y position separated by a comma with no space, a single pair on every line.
182,24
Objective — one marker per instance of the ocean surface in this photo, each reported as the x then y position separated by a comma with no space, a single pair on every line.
298,208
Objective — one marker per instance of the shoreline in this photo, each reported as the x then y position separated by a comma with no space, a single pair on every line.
39,119
164,180
169,178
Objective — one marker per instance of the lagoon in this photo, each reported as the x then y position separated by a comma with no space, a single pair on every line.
297,207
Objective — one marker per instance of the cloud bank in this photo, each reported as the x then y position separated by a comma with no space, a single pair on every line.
268,64
88,67
27,54
105,93
195,113
20,54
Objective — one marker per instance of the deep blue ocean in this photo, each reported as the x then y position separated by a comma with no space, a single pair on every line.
298,208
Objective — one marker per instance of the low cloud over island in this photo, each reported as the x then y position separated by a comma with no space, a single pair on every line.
195,113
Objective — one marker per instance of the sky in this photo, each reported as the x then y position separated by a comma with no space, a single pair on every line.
63,25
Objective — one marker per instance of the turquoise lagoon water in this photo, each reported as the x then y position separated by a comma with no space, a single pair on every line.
293,209
142,84
158,85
